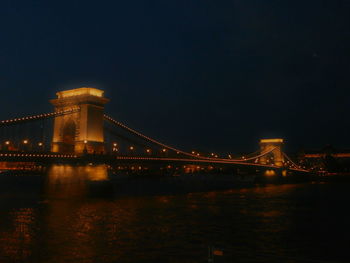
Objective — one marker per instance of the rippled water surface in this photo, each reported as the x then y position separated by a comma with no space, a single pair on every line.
56,219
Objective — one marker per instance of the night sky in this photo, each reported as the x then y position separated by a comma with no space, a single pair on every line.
206,75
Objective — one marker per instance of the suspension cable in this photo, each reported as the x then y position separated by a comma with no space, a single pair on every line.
39,116
297,167
115,122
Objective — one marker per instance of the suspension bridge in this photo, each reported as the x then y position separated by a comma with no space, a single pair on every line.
78,130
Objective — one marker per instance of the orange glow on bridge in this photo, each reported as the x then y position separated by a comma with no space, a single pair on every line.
271,141
80,91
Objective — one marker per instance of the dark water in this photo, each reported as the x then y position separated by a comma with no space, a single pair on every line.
58,220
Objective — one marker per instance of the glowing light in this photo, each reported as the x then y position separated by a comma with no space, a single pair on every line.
271,141
79,92
40,144
131,148
7,142
164,150
85,141
25,141
148,150
270,173
115,144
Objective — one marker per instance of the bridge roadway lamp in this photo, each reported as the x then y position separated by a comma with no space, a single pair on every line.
41,145
7,144
26,144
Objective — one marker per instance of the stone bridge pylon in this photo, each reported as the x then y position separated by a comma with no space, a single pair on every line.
275,155
81,131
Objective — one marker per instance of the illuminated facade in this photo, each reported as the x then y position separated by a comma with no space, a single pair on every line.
274,147
81,131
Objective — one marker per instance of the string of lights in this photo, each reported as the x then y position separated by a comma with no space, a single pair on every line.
294,165
38,155
39,116
190,160
193,154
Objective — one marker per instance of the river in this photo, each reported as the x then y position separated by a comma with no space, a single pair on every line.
54,218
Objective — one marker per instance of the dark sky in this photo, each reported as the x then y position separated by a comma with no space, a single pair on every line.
205,74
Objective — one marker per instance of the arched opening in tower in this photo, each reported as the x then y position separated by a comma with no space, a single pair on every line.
68,137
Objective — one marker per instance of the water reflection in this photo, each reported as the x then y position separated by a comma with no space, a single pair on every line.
72,225
80,223
17,239
65,181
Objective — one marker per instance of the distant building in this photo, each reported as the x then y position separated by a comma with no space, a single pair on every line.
328,158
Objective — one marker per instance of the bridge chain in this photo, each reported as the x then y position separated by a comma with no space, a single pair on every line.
125,127
38,117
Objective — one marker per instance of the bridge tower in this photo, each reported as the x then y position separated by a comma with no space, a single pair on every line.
81,131
275,146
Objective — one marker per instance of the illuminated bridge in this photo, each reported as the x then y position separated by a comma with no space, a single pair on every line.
78,131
